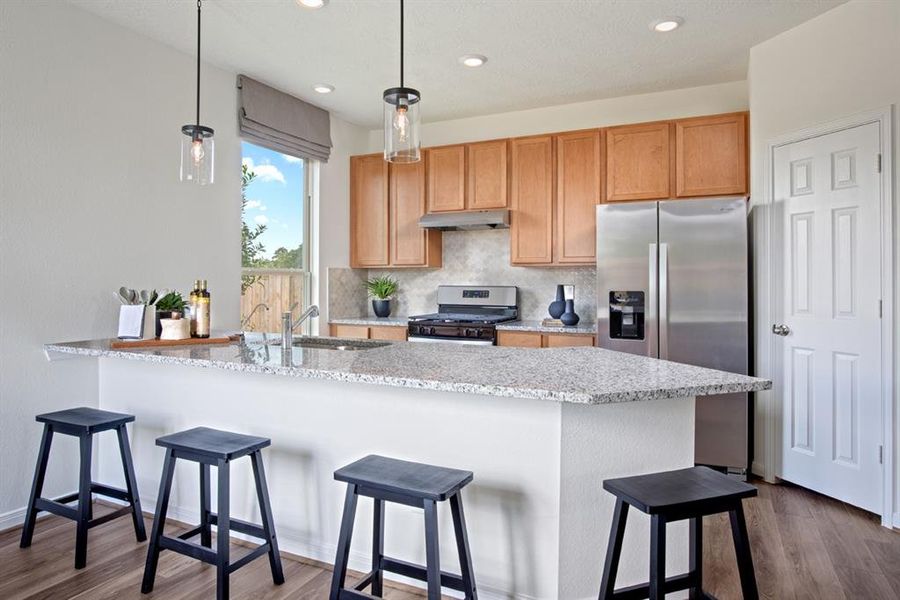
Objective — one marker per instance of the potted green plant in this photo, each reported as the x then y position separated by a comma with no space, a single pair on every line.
170,306
381,289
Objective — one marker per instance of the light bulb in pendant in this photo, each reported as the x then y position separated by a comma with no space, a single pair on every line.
401,123
197,151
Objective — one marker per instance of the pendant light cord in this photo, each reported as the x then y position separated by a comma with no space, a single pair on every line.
401,43
199,2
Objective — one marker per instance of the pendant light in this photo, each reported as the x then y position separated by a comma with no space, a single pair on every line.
401,117
197,144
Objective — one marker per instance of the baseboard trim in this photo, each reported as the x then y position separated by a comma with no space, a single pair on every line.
897,520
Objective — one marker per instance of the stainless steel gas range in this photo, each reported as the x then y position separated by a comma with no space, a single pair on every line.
466,315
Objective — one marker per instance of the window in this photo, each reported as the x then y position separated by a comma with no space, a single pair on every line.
274,237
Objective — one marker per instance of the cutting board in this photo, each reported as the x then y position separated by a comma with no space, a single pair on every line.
128,344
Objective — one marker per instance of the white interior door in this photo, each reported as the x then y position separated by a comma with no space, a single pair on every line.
827,191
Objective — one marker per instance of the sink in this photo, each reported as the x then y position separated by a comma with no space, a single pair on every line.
340,344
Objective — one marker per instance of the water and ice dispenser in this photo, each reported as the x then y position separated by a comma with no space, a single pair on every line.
626,315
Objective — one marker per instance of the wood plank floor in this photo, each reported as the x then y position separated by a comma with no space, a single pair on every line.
805,546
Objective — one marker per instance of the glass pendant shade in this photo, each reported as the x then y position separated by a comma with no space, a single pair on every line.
401,125
197,154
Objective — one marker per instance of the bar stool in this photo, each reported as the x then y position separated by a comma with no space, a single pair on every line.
412,484
83,423
673,496
212,447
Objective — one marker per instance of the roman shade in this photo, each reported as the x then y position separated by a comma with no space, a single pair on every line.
281,122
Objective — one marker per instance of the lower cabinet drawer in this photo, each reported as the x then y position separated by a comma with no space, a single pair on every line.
350,331
388,332
534,339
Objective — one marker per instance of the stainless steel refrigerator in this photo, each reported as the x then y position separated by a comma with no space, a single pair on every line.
672,283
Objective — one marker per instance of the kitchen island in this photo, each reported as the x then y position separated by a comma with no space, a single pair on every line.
540,429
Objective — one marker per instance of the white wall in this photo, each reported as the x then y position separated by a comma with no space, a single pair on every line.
840,63
90,197
689,102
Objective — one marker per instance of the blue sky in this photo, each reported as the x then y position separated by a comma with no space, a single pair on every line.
275,198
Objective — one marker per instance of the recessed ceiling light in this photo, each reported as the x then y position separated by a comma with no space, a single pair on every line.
667,24
473,60
323,88
312,3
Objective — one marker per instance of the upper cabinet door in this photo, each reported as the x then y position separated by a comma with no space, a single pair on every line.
637,162
577,196
711,155
369,211
487,175
531,199
411,246
446,171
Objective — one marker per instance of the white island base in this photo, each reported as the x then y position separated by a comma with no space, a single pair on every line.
538,518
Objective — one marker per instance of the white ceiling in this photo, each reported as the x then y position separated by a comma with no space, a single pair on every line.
540,52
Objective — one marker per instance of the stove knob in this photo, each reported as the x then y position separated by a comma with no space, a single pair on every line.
431,331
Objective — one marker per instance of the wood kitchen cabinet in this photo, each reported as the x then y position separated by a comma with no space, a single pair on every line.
487,175
386,203
578,191
711,156
536,339
410,245
369,209
532,188
446,178
363,332
638,162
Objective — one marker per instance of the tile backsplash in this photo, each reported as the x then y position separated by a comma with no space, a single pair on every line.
470,258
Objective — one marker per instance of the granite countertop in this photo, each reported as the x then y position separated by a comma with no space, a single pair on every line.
372,321
583,375
583,327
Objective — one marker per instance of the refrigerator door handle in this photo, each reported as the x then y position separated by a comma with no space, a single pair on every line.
664,301
652,323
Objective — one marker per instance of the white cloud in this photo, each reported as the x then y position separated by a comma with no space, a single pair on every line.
260,219
291,159
251,204
264,172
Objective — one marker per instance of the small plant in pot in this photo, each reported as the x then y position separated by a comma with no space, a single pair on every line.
170,306
381,289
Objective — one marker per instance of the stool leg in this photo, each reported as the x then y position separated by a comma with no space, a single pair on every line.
37,486
462,546
268,522
223,530
742,550
159,521
131,484
657,558
432,551
377,547
205,528
695,536
85,443
614,550
343,547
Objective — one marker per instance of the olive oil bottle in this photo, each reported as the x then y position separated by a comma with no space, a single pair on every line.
192,307
202,304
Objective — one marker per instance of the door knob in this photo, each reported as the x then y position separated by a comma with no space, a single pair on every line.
781,329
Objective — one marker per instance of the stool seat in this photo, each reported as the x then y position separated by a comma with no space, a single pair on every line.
213,443
404,477
84,420
675,491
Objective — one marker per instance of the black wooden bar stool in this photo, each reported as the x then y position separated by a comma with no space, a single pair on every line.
211,447
673,496
83,423
413,484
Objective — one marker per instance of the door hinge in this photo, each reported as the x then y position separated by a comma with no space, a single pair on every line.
880,455
878,163
880,309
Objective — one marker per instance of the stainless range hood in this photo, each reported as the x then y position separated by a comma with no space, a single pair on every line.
479,219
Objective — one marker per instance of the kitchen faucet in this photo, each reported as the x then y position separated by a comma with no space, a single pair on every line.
288,325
